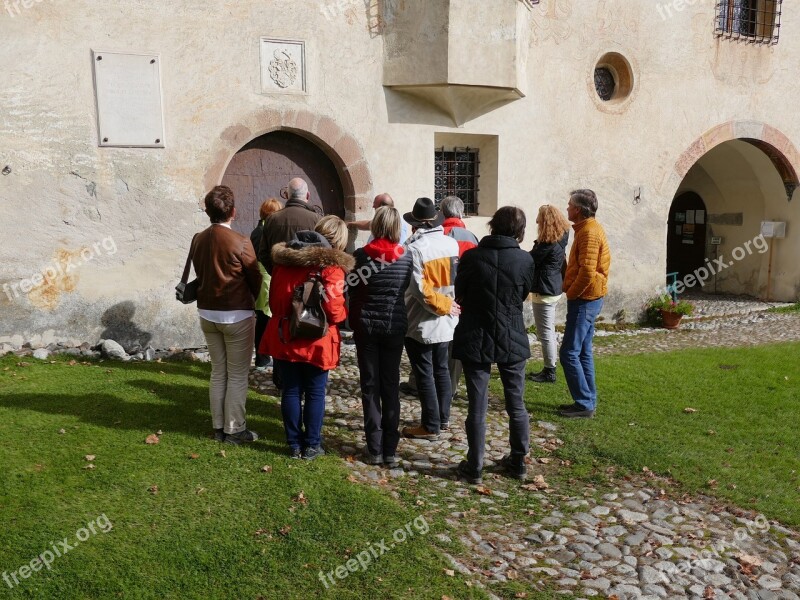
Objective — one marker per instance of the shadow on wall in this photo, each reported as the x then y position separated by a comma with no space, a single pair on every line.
119,326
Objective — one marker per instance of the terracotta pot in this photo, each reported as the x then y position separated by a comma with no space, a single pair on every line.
670,320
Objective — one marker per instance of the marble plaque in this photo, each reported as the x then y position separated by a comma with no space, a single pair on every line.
129,105
283,66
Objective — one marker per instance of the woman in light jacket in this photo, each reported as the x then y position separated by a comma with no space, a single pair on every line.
304,364
550,259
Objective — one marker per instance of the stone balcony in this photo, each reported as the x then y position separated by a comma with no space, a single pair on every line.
464,57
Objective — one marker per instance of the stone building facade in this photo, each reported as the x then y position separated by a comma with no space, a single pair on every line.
116,116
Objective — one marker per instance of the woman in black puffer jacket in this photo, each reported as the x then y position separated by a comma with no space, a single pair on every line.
492,282
378,317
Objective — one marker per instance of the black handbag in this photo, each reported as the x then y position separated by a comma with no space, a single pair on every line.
307,318
187,292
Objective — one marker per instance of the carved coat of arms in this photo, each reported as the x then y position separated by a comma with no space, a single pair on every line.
282,69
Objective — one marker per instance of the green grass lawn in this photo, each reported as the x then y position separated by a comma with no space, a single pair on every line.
741,444
187,521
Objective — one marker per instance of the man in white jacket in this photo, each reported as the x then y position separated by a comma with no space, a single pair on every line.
432,316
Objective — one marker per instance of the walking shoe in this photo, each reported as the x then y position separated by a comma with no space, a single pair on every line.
313,452
243,437
407,389
546,375
295,453
576,412
513,467
219,435
419,433
372,459
445,426
464,473
263,362
571,405
391,461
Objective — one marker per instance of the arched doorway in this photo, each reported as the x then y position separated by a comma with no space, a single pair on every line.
265,165
686,236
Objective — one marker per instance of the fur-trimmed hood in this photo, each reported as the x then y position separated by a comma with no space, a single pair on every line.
311,256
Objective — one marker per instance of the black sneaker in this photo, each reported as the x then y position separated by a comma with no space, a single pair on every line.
295,453
569,406
313,452
546,375
391,461
219,435
515,468
243,437
464,473
576,412
372,459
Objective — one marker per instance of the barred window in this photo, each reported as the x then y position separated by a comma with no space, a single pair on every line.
457,175
752,21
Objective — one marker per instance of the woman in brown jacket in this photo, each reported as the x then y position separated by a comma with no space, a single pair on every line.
229,281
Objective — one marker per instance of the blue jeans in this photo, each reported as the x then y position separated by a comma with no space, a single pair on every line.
302,420
576,351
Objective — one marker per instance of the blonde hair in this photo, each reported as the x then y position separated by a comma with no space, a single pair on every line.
386,224
551,223
334,230
268,207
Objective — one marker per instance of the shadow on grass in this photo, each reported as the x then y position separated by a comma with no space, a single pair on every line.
166,406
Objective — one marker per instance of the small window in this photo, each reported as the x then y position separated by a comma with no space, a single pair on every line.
752,21
457,175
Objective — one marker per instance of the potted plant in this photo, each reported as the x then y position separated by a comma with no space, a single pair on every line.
662,311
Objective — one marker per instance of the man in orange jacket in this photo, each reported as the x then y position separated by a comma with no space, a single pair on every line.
585,284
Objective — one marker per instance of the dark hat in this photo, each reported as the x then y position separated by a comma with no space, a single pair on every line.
424,215
306,239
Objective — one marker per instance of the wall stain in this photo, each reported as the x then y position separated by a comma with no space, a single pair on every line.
59,277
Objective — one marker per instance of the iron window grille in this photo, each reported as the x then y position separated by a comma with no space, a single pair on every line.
457,173
751,21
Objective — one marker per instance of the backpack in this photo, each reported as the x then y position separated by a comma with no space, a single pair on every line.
307,319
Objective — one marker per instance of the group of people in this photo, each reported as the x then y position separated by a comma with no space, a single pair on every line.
422,283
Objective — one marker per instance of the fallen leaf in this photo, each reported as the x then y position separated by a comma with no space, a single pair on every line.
523,595
222,454
483,490
151,439
383,481
450,572
284,531
260,532
159,432
153,489
749,559
712,483
90,466
613,597
352,479
199,490
72,363
420,503
300,498
62,431
708,593
90,457
586,575
266,469
732,486
690,410
545,461
512,575
194,456
350,458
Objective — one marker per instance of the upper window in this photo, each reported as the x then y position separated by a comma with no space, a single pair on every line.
753,21
457,175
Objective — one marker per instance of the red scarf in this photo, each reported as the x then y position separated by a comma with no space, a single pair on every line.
384,250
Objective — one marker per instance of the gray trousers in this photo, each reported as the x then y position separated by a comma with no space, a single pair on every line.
455,370
545,317
231,349
513,378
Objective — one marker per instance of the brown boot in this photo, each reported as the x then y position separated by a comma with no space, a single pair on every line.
419,433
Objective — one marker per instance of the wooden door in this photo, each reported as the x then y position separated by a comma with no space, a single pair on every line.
686,235
264,166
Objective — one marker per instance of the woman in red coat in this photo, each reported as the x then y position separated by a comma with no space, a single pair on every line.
303,364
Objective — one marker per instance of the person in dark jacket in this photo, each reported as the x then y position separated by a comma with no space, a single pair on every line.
378,317
296,215
229,281
262,302
549,257
492,282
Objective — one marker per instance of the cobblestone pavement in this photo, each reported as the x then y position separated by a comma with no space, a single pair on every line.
632,539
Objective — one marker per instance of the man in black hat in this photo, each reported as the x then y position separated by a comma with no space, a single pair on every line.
432,316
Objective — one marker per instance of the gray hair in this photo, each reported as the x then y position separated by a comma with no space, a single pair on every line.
586,200
453,206
298,189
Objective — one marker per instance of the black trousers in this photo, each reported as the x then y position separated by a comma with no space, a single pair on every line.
261,326
379,366
429,363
